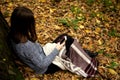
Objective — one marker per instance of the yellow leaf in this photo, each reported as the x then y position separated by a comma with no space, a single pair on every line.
97,30
35,16
87,31
112,71
98,15
97,21
80,14
37,25
10,4
52,10
81,26
57,27
42,0
99,42
34,79
8,8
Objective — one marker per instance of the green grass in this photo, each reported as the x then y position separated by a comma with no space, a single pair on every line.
113,65
90,2
70,22
114,33
73,22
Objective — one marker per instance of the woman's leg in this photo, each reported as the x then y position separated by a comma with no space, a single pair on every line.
69,42
53,68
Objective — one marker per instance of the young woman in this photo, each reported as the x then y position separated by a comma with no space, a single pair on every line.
23,38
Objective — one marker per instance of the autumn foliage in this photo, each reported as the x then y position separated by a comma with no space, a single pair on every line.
95,23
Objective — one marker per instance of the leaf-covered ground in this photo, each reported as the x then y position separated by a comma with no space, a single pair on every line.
95,23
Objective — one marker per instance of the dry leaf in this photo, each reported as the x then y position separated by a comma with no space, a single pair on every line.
10,4
107,25
41,0
87,31
34,79
112,71
97,30
100,42
56,27
46,14
98,15
52,10
97,21
81,26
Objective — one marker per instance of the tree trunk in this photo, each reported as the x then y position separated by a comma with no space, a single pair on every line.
8,68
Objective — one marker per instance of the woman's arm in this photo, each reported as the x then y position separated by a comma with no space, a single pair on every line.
38,57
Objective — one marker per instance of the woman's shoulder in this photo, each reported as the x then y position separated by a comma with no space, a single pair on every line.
28,43
26,46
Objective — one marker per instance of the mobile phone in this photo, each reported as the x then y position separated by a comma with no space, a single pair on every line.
64,39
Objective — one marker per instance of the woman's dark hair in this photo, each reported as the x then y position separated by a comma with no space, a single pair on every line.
22,22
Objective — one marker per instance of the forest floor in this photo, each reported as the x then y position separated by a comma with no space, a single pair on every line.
96,25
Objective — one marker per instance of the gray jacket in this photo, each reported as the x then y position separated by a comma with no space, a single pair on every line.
33,55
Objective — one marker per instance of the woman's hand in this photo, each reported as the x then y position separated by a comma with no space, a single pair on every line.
60,46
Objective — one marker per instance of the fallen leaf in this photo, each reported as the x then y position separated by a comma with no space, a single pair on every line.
99,42
8,8
34,79
97,21
10,4
112,71
87,31
41,0
98,15
81,26
52,10
107,25
56,27
97,30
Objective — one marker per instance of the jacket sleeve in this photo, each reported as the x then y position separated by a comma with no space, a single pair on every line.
38,57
